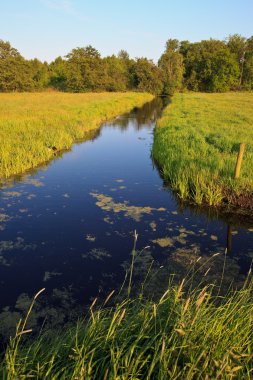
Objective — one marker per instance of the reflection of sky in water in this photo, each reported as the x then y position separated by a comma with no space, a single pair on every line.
71,225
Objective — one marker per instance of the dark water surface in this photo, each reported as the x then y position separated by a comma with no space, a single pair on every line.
69,226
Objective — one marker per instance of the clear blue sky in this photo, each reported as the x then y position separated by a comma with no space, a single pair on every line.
48,28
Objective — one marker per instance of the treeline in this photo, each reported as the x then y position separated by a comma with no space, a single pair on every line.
208,66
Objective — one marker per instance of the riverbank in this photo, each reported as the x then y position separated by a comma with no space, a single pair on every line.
186,334
196,144
33,126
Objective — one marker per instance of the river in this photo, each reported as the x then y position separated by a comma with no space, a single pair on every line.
68,226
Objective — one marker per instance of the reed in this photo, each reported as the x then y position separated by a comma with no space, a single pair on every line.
186,334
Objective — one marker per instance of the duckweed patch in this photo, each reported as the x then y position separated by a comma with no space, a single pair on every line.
107,203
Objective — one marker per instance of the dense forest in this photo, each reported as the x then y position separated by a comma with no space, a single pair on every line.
208,66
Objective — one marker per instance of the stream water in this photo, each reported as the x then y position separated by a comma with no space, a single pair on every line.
68,226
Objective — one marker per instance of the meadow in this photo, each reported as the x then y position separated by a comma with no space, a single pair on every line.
196,145
33,126
189,332
186,334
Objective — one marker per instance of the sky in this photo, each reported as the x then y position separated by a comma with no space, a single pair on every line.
46,29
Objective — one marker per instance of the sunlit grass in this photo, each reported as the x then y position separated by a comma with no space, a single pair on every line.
196,144
31,124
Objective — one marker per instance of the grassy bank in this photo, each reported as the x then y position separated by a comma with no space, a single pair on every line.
184,335
32,125
196,144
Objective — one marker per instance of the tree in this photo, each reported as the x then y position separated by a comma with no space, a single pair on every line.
238,45
248,65
172,67
7,51
85,70
57,74
15,71
39,73
146,76
210,66
116,74
78,54
123,54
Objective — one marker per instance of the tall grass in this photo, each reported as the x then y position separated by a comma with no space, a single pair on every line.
33,125
196,144
186,334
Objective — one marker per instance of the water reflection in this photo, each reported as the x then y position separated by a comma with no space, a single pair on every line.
142,117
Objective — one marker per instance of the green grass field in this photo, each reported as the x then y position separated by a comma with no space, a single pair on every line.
186,334
32,123
196,144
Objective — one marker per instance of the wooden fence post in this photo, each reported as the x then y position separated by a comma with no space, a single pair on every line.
239,160
229,238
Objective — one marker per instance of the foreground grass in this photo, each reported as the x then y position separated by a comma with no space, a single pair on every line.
196,144
33,125
184,335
